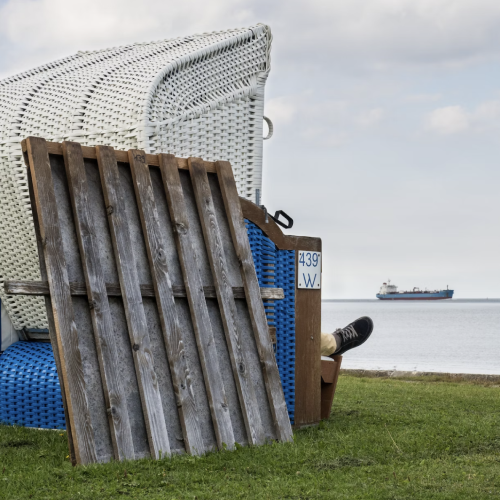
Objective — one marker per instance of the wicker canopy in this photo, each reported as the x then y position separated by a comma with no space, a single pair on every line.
200,95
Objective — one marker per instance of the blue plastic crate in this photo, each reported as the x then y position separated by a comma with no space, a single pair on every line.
276,269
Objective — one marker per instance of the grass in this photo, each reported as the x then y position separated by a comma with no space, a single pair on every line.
386,439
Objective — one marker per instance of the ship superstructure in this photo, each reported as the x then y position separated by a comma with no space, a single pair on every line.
388,291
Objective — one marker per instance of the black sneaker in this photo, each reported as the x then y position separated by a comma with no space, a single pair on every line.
354,334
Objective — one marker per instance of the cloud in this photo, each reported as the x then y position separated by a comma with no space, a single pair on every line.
324,137
448,120
376,34
452,120
44,30
281,109
320,120
487,114
424,98
370,117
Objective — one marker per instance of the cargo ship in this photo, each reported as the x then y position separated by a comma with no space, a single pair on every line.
390,292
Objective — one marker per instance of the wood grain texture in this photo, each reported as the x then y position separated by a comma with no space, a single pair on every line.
225,298
272,334
113,289
197,304
50,316
109,362
174,342
255,214
327,370
132,301
307,353
90,153
329,374
66,335
255,305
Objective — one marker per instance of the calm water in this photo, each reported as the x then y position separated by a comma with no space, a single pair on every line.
456,336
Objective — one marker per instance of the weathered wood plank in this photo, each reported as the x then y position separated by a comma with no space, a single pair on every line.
172,333
198,307
255,305
132,301
109,363
50,316
272,334
255,214
113,289
329,377
225,298
307,353
90,153
62,307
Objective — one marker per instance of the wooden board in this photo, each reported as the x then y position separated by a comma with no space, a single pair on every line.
329,376
66,334
50,317
199,311
256,307
225,298
114,198
113,289
114,391
172,332
150,305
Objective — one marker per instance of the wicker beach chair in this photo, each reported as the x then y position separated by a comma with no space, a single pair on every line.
200,95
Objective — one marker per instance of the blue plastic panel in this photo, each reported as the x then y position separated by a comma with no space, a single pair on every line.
29,387
276,268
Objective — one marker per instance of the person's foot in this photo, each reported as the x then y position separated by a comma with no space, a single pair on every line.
353,335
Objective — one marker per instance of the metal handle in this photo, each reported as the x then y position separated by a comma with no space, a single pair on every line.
286,216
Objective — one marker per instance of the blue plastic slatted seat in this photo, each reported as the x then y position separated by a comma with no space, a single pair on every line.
276,268
30,394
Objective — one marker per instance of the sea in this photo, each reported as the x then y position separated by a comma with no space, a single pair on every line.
448,336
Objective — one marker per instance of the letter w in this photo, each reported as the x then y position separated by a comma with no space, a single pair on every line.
307,280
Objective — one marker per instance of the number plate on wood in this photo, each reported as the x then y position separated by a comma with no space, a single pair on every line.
309,272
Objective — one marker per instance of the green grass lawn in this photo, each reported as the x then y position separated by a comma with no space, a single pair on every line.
385,439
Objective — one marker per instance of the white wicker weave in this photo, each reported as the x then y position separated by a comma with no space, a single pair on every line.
202,95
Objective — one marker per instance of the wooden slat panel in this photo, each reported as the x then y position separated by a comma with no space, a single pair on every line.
172,333
255,306
62,307
113,289
213,242
109,363
198,307
132,301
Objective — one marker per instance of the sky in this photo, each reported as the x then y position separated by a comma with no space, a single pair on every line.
386,122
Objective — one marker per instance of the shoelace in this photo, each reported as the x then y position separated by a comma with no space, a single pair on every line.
347,333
